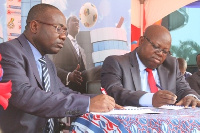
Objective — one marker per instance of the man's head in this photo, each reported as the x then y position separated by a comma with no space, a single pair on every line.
46,28
73,26
198,61
182,65
154,46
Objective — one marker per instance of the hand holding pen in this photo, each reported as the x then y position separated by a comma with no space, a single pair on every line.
163,97
116,105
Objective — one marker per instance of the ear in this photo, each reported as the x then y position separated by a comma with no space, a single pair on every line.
34,26
141,40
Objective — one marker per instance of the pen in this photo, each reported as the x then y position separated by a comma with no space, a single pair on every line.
103,91
159,87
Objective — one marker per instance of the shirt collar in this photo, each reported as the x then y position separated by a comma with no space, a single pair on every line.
36,53
70,37
142,67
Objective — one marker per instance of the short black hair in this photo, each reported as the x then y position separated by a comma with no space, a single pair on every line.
38,11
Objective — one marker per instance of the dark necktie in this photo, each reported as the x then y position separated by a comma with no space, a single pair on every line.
75,44
151,81
46,86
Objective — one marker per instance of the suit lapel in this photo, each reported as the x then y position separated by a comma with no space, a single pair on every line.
23,41
163,76
135,70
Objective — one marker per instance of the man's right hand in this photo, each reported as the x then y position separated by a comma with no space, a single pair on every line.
103,103
75,76
163,97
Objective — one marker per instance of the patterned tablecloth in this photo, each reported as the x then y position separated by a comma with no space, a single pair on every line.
170,121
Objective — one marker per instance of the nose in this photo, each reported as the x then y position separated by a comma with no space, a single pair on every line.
159,52
63,36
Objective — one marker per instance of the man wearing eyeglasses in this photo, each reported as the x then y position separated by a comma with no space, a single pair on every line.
149,75
38,96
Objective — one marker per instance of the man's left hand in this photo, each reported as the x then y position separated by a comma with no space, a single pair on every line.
189,100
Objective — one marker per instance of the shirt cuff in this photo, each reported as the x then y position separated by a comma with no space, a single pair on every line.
146,100
67,80
88,108
193,96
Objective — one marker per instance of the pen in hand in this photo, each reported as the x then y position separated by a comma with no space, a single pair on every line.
103,91
159,87
116,105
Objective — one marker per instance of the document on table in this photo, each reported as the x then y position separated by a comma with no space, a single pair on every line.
173,107
129,110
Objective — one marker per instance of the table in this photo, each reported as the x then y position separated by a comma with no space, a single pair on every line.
170,121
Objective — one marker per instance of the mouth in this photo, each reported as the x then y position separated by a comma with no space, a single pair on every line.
60,45
157,60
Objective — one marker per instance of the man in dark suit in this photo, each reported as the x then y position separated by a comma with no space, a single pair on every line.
70,61
31,106
125,77
194,80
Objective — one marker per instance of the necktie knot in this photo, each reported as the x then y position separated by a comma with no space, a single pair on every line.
42,60
148,70
74,40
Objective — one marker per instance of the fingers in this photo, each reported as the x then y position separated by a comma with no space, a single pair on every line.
163,97
102,103
187,101
77,77
117,106
78,67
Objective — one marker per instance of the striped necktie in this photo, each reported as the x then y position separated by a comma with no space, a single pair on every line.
75,44
151,81
46,86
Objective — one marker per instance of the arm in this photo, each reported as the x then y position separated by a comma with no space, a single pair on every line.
116,78
194,82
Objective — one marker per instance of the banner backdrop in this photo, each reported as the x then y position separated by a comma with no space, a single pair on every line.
13,18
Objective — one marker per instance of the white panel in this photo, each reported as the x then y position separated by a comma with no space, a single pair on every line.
108,33
100,56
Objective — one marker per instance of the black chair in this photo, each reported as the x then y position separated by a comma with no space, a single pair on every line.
93,87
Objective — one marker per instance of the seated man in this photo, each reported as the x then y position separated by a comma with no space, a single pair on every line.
129,79
183,66
194,80
38,96
71,61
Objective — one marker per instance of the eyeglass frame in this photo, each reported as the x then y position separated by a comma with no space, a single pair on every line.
62,30
156,49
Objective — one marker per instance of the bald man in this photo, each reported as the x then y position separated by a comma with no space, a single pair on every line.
126,79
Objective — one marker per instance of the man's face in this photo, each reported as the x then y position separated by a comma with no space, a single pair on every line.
73,26
154,50
51,34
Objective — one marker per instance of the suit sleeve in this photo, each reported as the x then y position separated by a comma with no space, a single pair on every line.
194,82
113,78
27,94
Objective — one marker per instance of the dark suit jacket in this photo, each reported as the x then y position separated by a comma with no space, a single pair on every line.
66,60
194,81
121,78
30,106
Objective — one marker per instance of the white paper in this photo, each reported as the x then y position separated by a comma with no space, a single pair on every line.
173,107
129,110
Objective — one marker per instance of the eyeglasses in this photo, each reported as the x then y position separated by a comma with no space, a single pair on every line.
156,49
59,28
